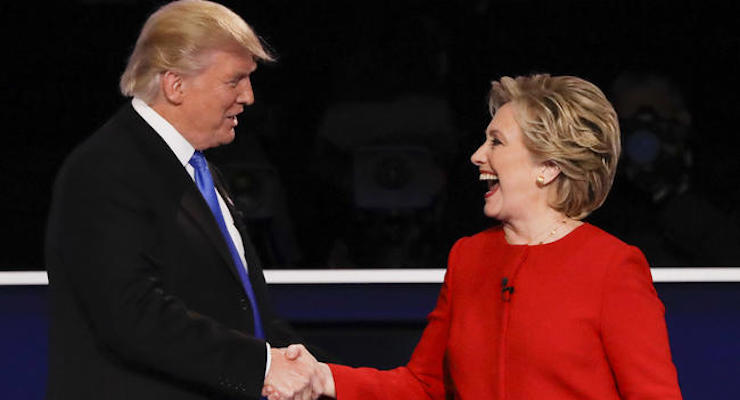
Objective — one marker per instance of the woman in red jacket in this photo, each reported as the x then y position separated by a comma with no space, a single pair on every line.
542,306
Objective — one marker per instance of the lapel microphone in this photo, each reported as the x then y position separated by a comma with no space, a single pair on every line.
506,290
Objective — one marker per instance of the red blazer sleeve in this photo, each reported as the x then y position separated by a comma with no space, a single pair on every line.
634,331
422,377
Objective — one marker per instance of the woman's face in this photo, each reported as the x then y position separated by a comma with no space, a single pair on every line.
509,169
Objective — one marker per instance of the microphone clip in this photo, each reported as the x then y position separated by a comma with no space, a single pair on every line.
506,290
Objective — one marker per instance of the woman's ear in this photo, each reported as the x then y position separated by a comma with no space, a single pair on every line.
548,173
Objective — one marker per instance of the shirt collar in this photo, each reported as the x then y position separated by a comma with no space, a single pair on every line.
177,143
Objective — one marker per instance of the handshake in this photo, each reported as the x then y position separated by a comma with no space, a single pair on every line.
295,374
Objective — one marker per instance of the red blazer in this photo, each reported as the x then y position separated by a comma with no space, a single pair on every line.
575,319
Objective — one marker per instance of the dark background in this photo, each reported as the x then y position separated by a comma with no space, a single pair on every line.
420,70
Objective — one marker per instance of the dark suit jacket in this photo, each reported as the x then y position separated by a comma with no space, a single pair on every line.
145,299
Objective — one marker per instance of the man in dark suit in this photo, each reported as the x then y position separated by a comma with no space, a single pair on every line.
155,289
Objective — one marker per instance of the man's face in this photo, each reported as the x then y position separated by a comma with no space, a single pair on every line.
212,99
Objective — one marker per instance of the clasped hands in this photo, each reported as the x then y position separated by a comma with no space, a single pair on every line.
295,374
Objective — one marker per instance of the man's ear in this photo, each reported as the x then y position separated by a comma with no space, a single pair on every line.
172,85
550,171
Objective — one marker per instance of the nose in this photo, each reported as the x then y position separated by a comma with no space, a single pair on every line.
478,157
246,95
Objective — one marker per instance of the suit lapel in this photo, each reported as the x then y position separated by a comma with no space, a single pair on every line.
175,180
195,206
249,253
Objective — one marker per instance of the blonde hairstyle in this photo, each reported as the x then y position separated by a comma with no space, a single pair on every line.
177,36
569,122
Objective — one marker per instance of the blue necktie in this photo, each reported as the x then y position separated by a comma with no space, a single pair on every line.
204,181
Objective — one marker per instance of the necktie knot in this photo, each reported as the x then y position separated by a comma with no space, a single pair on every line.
198,161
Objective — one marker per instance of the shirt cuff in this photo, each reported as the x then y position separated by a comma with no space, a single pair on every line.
269,359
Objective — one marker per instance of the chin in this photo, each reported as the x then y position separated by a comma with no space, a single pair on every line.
490,213
227,137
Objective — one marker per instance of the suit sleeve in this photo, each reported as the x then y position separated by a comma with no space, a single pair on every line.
634,331
102,227
423,377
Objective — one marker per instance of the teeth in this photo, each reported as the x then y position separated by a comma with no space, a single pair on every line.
487,177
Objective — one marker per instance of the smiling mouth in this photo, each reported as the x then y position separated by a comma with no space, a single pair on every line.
491,181
233,119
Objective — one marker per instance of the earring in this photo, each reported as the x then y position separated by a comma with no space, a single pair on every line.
541,180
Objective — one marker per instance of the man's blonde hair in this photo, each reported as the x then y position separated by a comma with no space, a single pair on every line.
176,37
569,122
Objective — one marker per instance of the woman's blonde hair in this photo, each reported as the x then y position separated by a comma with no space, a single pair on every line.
569,122
176,37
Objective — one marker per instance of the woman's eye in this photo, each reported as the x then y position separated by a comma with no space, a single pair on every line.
495,142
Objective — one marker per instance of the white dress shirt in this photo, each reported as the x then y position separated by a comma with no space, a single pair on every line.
183,150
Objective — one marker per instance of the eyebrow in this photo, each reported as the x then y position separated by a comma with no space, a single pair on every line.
497,133
242,75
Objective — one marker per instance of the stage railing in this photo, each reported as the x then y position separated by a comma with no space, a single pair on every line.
403,275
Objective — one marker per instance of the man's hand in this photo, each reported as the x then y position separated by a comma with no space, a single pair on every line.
295,374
